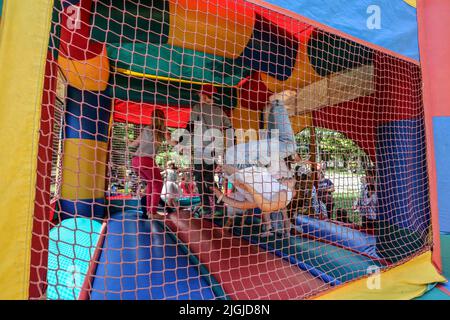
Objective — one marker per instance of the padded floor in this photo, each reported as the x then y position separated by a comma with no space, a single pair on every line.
71,247
245,271
140,261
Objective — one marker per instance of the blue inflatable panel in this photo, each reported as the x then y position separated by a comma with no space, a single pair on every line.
140,261
397,29
330,263
337,234
71,247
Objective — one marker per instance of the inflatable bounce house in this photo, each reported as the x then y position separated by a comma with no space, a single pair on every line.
80,78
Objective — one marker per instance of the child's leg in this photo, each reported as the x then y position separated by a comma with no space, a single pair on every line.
279,120
247,154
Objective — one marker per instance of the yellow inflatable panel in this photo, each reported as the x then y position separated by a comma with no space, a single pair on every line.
301,122
219,27
92,74
302,75
83,169
407,281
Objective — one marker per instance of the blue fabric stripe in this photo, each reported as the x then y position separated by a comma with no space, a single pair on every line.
72,244
402,175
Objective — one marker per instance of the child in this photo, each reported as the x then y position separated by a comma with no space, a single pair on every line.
170,191
143,162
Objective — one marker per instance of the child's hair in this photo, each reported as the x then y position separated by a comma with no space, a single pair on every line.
159,124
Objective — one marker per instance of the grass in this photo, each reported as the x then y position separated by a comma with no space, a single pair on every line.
345,201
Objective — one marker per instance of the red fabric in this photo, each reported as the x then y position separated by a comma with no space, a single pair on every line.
151,174
42,205
141,113
283,23
245,271
394,99
356,119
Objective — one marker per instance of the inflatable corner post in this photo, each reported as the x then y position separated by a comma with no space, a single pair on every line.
81,79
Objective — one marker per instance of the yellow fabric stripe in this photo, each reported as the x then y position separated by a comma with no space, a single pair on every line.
91,74
406,281
24,35
83,169
151,76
